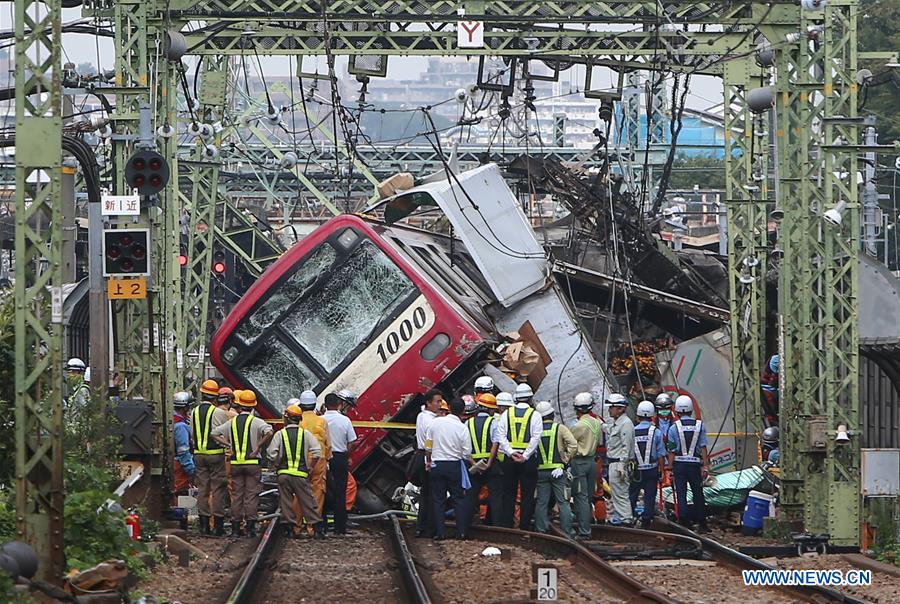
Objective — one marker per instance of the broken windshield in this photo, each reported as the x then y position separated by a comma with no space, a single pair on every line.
277,374
354,298
285,294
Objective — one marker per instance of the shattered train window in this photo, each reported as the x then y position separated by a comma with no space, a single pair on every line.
355,298
277,374
285,294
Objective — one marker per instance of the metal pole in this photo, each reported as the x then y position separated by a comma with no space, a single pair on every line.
870,192
98,304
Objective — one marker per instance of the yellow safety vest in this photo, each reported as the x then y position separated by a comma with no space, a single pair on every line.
240,444
481,445
202,429
519,427
550,459
292,455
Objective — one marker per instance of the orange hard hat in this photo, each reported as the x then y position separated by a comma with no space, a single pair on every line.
487,400
237,394
444,405
247,399
226,393
293,411
210,387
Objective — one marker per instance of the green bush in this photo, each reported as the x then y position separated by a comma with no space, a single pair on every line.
93,537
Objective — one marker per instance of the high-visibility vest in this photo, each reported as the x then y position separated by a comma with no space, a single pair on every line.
688,436
643,447
201,425
240,440
292,458
550,459
480,433
519,427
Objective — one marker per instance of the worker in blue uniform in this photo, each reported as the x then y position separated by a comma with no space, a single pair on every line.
650,453
689,458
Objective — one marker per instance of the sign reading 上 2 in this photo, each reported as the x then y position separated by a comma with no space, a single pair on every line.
126,289
546,584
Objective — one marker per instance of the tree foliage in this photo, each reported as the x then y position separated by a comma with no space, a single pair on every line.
705,171
879,30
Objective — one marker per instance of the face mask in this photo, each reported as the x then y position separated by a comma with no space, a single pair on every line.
664,412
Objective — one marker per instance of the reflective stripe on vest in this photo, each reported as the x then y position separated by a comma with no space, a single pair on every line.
644,436
239,445
481,448
202,429
550,459
292,455
519,427
687,450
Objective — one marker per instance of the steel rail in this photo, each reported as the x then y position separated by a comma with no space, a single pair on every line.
630,543
621,584
730,557
415,587
243,591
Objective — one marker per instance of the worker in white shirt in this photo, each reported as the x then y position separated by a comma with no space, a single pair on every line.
519,434
418,474
342,437
448,451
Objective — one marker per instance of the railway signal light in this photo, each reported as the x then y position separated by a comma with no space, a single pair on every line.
147,171
125,252
182,257
218,266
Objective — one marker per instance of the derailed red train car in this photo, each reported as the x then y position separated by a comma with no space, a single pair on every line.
350,308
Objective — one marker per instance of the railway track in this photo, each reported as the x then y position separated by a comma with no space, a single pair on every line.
380,563
455,572
659,557
728,566
373,561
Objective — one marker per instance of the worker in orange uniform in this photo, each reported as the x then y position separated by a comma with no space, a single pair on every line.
292,448
246,435
319,427
209,457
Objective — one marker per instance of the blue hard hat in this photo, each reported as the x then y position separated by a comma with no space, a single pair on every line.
775,363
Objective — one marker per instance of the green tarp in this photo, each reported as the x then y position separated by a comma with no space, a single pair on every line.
730,489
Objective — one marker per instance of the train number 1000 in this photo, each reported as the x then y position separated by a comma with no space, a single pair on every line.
401,334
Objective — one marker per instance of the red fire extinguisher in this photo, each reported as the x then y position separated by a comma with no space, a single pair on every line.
133,522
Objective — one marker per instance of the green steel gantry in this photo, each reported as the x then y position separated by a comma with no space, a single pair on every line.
39,276
160,340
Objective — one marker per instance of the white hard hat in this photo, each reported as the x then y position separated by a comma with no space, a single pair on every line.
584,399
484,383
292,401
523,391
182,399
307,399
616,400
684,404
544,408
645,409
75,364
347,396
87,375
505,399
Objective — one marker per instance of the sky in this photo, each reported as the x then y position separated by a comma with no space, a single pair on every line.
705,91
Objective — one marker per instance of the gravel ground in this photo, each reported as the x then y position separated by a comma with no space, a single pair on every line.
707,585
359,567
456,566
206,581
885,589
